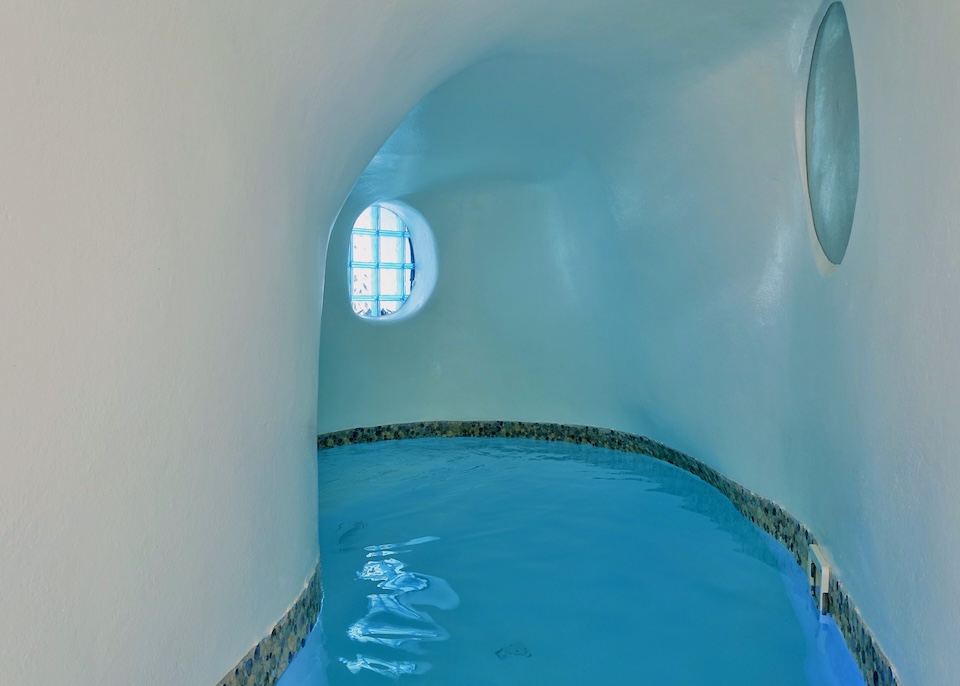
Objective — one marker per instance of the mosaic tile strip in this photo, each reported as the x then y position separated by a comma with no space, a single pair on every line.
770,517
267,660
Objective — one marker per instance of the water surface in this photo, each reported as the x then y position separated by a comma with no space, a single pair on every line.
511,561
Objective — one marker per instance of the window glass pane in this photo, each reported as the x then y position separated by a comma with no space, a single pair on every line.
383,287
362,247
390,306
364,309
361,281
390,281
365,220
389,221
390,249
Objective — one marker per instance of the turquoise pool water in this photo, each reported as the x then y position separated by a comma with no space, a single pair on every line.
510,561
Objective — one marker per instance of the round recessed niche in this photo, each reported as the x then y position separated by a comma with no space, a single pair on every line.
833,134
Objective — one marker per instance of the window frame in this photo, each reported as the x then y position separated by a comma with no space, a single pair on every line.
406,270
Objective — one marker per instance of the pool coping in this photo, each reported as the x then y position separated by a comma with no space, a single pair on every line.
269,658
875,667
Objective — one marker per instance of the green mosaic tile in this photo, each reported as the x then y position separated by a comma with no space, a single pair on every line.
267,660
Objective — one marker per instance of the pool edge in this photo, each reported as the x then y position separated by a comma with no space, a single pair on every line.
874,665
265,662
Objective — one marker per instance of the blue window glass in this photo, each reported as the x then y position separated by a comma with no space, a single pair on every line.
381,265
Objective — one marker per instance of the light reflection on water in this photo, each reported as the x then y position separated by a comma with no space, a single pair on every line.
575,564
396,619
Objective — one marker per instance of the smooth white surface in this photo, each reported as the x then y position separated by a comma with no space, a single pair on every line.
155,400
168,174
619,206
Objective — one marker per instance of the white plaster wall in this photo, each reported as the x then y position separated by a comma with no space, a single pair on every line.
167,179
624,241
889,324
168,175
157,296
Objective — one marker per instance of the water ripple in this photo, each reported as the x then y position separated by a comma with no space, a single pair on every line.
392,620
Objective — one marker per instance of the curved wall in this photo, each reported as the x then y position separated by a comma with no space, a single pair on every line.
168,176
168,173
624,241
156,406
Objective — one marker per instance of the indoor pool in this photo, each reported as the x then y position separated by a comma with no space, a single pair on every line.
512,561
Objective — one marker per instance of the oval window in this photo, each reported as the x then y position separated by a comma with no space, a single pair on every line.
391,266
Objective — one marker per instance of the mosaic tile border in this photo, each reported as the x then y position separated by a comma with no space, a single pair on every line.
267,660
770,517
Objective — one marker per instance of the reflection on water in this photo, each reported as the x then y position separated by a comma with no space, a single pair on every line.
576,565
391,669
397,619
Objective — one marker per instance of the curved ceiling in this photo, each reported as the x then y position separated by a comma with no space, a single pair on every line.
666,136
603,84
680,116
